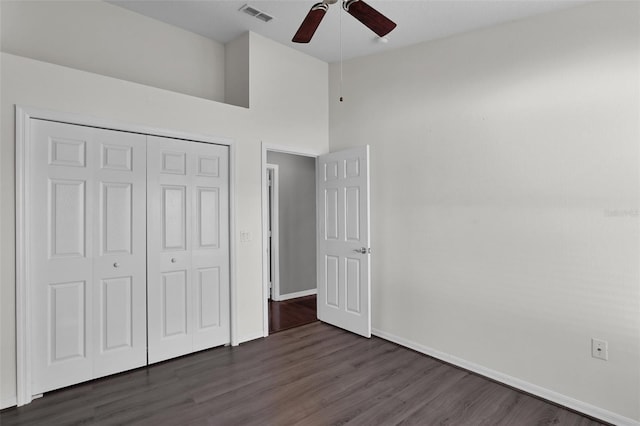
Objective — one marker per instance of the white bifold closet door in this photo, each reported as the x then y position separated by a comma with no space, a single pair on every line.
187,247
87,253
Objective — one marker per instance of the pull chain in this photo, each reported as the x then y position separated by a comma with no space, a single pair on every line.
341,98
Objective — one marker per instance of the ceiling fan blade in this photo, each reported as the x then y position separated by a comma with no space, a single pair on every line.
310,23
374,20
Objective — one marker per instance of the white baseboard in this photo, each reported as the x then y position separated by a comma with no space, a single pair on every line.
304,293
8,402
558,398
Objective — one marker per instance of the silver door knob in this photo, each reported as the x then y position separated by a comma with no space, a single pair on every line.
363,250
173,260
116,265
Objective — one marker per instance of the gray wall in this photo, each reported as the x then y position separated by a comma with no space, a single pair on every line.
297,204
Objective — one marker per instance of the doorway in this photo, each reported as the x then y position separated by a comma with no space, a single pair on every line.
289,238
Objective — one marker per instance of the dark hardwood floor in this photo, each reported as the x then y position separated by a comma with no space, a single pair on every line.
291,313
311,375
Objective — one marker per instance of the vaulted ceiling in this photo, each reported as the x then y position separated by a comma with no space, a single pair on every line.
417,21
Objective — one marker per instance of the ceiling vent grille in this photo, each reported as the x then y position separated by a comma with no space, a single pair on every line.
256,13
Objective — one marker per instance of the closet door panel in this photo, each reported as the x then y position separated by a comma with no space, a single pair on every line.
169,287
187,239
61,255
120,331
210,250
88,275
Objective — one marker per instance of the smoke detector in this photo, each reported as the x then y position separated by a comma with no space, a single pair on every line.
256,13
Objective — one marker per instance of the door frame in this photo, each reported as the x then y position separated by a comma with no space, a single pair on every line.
23,117
273,212
264,185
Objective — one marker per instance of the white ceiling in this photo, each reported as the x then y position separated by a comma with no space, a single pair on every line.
417,21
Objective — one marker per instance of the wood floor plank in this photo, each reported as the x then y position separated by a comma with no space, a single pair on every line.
332,386
452,405
269,370
420,392
361,397
314,382
312,375
292,313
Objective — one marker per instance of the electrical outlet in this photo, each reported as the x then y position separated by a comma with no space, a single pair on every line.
599,349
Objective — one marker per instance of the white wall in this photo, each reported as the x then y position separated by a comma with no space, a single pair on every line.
102,38
236,71
505,197
38,84
296,220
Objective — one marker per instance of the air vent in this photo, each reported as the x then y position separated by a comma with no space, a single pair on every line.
256,13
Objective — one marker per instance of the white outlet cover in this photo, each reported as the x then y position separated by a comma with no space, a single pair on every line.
599,349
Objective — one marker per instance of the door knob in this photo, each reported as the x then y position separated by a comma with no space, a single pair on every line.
173,260
363,250
116,265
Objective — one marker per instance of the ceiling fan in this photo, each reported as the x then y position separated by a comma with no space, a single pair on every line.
374,20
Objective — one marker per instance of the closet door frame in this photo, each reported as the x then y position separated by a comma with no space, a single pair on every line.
24,115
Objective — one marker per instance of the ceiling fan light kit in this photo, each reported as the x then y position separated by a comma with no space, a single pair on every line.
371,18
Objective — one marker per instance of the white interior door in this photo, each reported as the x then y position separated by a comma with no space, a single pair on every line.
187,248
344,283
87,248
